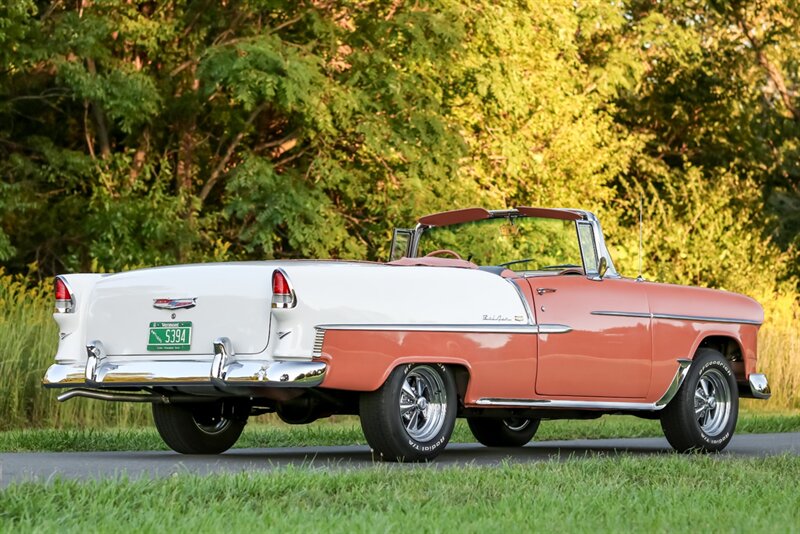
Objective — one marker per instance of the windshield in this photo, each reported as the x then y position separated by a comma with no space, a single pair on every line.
520,243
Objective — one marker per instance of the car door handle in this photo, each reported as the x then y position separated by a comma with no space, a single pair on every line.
543,290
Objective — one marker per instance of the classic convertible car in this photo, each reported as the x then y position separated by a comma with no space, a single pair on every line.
502,317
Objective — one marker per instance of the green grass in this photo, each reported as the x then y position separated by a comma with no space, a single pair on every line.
627,493
347,431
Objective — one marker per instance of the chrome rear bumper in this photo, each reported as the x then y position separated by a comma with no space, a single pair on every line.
225,371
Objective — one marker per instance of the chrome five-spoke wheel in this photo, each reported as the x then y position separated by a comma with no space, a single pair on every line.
712,402
423,403
411,416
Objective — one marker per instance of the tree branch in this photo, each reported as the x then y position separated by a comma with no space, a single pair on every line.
99,118
773,73
215,174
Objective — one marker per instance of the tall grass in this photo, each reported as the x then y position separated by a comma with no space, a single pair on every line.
28,341
29,336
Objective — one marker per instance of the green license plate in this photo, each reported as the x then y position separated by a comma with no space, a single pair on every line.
170,336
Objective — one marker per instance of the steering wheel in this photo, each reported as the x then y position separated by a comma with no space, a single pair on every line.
456,255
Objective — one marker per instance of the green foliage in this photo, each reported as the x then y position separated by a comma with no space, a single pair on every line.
134,133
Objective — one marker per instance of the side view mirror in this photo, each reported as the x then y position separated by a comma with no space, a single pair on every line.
602,268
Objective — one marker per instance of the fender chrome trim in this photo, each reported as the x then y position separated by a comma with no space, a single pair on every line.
675,385
525,304
465,328
672,389
646,315
673,317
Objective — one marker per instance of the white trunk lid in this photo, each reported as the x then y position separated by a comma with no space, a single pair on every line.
232,300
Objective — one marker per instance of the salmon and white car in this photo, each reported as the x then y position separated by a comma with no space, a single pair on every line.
502,317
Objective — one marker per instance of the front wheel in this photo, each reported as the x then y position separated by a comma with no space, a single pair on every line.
411,417
198,428
702,416
509,432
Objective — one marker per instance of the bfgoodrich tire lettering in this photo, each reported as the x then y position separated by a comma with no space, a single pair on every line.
196,428
411,417
702,416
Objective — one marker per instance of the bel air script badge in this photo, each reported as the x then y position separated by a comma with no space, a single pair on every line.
497,318
175,304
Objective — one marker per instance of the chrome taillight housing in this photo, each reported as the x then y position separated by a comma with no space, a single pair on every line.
283,295
65,299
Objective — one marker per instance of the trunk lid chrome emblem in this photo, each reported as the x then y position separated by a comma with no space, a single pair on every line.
175,304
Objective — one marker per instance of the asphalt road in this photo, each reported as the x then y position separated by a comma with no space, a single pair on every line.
44,466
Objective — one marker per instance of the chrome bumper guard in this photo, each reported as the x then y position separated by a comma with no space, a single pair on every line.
225,371
759,387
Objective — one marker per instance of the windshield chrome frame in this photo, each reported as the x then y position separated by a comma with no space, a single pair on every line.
586,217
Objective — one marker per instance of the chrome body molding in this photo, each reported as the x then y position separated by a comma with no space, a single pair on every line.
674,386
704,319
527,306
461,328
583,405
646,315
554,329
759,386
223,371
670,316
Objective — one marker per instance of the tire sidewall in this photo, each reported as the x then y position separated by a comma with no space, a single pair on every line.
523,435
417,449
704,364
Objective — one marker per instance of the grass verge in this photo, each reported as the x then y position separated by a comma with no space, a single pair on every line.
695,493
347,431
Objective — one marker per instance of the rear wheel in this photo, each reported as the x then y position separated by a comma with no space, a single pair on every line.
509,432
411,417
198,428
702,416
